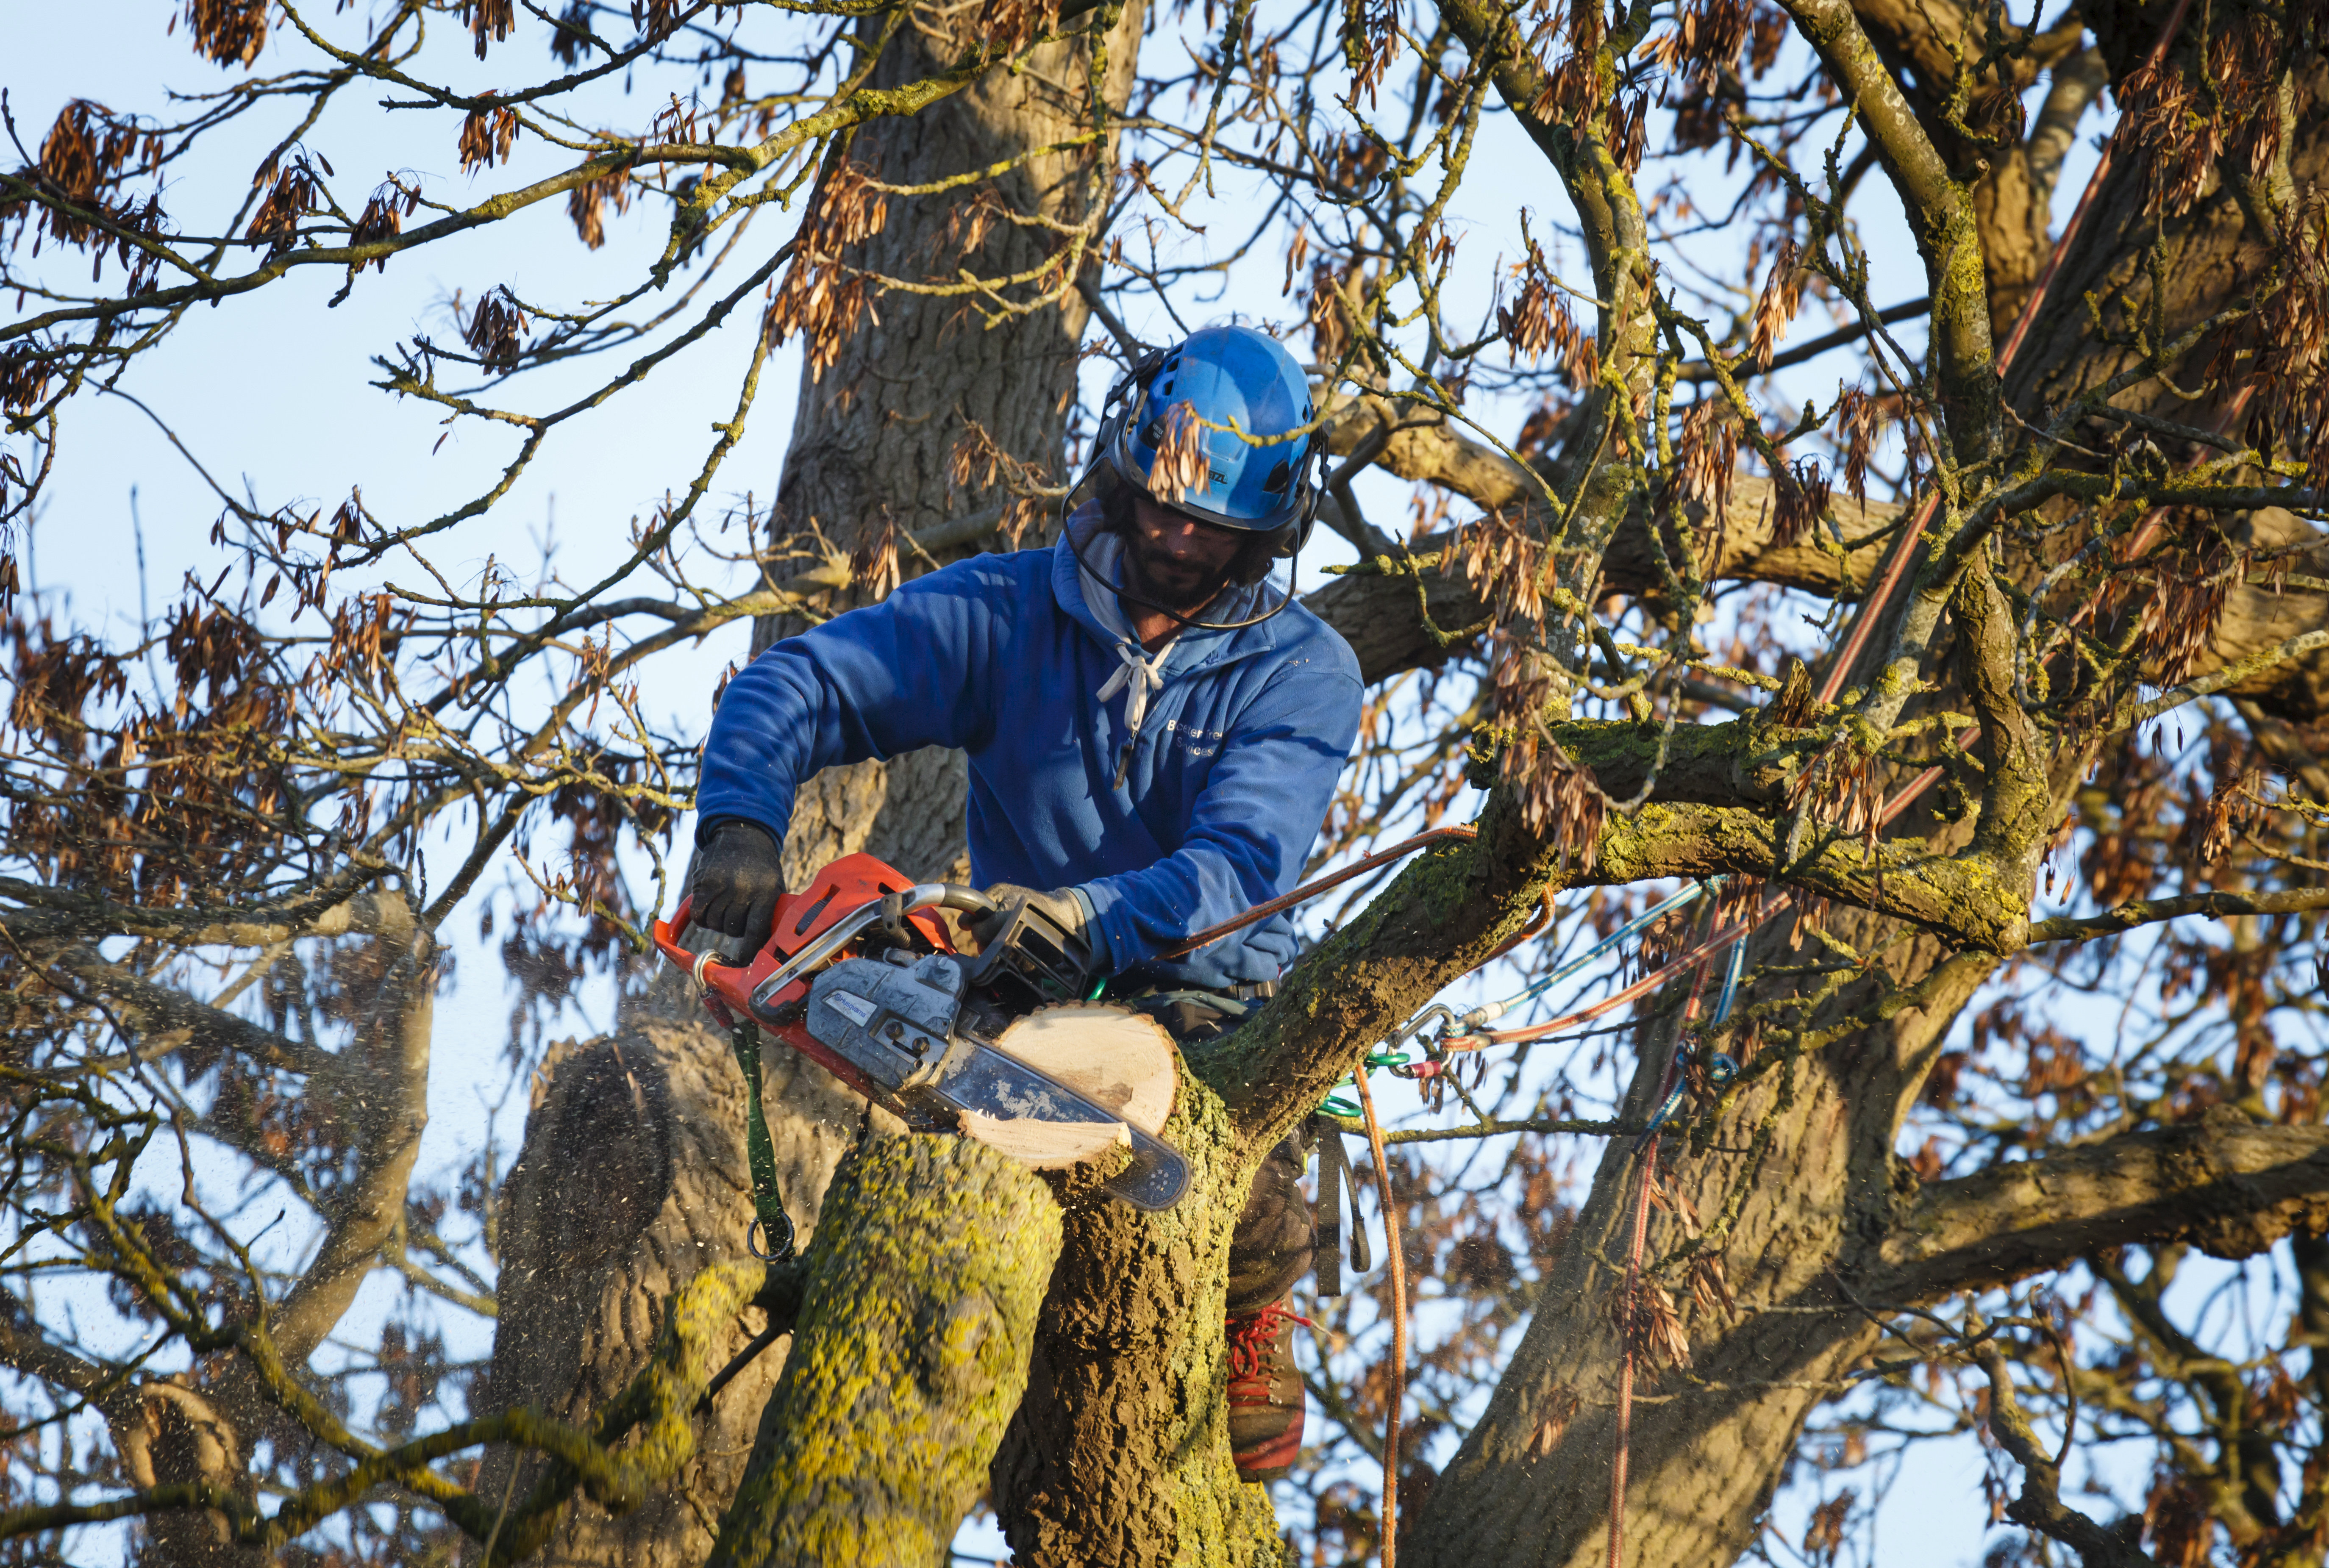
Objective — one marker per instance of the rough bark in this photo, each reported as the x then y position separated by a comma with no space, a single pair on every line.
877,432
873,441
1118,1453
914,1330
632,1179
2223,1184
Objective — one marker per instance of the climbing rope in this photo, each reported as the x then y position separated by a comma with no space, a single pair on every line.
1397,1378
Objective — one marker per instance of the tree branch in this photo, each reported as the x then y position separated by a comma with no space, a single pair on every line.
157,1010
1446,913
2153,911
2224,1185
2040,1506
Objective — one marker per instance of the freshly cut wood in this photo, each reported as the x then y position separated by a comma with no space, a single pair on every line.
1120,1060
1045,1145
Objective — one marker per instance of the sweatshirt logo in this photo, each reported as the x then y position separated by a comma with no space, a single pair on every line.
1198,740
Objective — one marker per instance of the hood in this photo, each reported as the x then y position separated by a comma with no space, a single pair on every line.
1094,607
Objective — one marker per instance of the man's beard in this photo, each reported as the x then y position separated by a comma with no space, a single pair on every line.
1184,590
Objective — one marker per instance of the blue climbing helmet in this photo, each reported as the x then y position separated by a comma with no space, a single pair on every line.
1242,384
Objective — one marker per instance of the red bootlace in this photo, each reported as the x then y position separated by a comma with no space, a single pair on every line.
1252,1335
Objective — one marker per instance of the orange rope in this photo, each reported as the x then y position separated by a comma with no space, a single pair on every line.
1398,1326
1697,956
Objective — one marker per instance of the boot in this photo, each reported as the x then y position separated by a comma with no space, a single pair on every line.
1266,1396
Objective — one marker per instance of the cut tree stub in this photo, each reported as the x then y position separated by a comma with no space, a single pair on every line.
1118,1059
1042,1145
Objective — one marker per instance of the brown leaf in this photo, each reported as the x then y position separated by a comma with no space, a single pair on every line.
229,31
1181,464
1558,1409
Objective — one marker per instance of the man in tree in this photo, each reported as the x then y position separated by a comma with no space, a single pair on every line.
1154,735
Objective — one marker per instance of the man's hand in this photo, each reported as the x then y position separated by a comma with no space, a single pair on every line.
738,877
1063,909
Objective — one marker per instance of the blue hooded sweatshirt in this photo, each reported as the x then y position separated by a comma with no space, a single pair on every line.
1232,768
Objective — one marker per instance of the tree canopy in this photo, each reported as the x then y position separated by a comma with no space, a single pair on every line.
1775,456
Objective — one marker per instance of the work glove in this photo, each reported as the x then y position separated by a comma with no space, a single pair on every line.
738,877
1063,909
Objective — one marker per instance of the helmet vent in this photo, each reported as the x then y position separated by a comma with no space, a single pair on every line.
1276,484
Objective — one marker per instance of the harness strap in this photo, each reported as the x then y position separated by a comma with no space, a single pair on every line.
760,1153
1327,1254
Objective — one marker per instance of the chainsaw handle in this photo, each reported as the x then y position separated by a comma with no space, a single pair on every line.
970,900
840,933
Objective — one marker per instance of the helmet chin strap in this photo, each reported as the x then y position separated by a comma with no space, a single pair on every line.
1188,622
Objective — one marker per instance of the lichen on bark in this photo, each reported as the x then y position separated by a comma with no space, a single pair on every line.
909,1356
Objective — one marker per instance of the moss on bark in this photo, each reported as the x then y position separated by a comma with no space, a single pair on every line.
1120,1453
931,1263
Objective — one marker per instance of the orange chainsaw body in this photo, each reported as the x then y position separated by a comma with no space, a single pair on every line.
837,891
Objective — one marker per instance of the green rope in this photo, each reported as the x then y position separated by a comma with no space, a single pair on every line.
767,1203
1336,1106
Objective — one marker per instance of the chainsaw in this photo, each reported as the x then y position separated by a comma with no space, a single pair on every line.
861,976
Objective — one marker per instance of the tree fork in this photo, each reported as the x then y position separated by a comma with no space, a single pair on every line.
1120,1451
910,1354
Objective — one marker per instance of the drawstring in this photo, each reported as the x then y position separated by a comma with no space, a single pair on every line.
1139,676
1142,674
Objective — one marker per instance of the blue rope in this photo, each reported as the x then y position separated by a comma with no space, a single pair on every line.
1488,1012
1730,974
1722,1071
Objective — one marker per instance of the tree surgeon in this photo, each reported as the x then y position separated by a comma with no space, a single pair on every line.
1154,729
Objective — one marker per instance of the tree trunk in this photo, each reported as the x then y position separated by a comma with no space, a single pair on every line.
1532,1482
632,1179
874,440
918,1312
1119,1453
1827,1213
